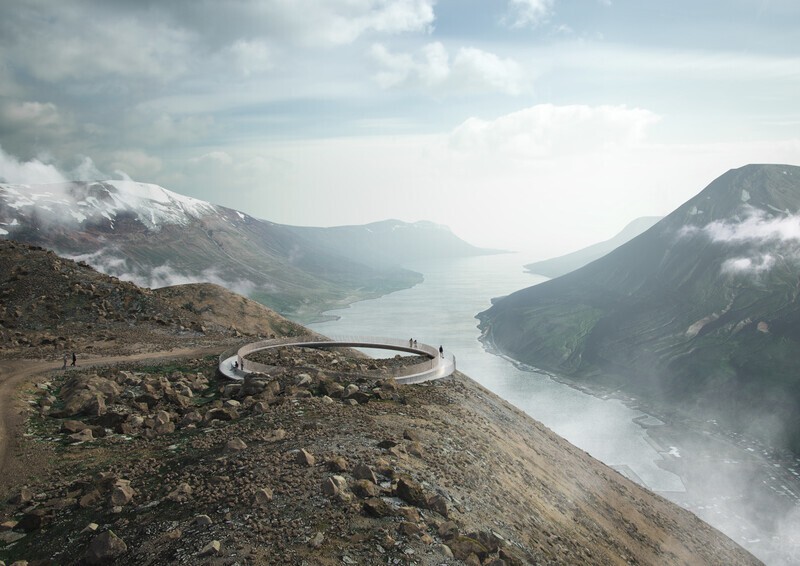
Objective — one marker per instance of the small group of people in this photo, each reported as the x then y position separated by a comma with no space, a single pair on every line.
74,360
413,344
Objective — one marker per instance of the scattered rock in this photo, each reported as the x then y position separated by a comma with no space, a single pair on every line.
376,507
122,493
203,521
211,549
364,472
304,458
462,547
235,445
337,464
263,496
317,540
411,492
333,485
105,548
365,489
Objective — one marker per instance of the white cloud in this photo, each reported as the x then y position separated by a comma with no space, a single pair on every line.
545,130
30,172
69,45
134,163
757,226
347,20
528,13
749,266
249,57
470,70
87,171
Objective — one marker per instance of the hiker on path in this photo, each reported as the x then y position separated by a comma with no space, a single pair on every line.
74,359
441,352
65,361
415,343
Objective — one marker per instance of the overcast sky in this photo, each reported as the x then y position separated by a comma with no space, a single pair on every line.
528,124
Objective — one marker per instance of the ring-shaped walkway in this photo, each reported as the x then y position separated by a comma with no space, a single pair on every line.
436,367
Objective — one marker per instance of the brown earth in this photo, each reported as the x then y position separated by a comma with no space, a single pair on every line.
163,462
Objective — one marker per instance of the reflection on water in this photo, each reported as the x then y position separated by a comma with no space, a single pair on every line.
441,310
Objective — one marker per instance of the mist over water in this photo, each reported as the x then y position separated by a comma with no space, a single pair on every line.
441,310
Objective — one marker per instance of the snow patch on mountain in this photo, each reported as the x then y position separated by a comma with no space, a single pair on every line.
78,202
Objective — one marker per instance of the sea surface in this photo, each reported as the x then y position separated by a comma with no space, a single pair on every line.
749,491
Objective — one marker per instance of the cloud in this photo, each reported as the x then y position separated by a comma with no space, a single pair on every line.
471,70
135,164
528,13
757,226
29,172
69,45
545,130
112,262
87,171
250,57
746,265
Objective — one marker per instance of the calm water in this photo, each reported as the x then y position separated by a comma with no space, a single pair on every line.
441,310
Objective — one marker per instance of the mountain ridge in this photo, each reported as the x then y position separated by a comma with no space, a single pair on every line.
155,237
557,266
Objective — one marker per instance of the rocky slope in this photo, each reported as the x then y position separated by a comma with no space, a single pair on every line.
558,266
699,314
51,305
165,463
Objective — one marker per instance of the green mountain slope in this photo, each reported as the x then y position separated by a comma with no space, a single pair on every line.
698,314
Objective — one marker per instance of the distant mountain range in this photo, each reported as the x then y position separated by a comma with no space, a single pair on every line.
558,266
154,237
699,314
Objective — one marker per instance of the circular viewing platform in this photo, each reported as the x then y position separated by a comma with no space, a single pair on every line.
236,366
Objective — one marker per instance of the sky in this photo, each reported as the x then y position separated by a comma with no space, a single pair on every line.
539,125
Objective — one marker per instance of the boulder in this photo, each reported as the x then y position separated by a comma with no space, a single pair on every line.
333,486
263,496
411,492
35,520
181,493
235,445
337,464
376,507
211,549
364,472
105,548
304,458
122,493
463,547
365,489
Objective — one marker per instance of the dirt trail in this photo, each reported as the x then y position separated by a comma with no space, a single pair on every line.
14,373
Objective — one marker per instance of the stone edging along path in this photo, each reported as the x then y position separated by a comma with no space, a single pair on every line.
435,367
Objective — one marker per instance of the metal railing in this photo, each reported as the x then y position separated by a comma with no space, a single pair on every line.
435,367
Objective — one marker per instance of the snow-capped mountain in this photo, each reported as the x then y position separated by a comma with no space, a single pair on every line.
82,203
156,238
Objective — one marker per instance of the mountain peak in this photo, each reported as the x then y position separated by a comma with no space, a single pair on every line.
101,202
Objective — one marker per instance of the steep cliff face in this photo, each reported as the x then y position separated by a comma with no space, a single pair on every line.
698,313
